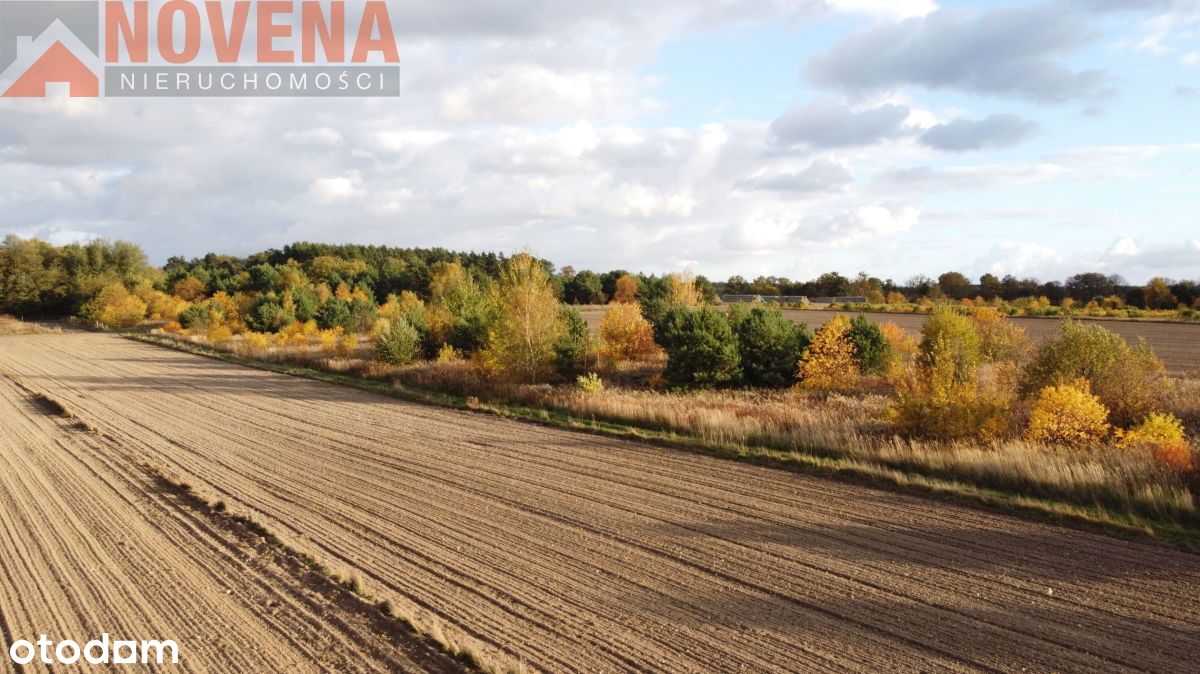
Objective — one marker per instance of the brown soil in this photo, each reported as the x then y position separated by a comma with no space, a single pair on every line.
91,542
574,553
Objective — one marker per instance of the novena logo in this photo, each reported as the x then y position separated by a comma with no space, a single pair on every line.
122,48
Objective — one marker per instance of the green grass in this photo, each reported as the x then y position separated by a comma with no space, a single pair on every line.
1185,536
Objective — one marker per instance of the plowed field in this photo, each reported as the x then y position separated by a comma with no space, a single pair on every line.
91,543
575,553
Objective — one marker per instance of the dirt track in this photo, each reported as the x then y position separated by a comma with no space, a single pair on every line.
91,543
580,554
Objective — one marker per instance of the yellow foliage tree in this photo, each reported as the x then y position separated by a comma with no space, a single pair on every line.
161,306
1068,415
828,363
528,322
116,307
189,288
682,291
625,334
902,349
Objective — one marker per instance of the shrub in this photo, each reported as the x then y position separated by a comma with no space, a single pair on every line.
962,411
336,313
828,363
267,314
932,400
329,340
590,383
769,345
950,346
348,345
400,345
870,346
902,349
1126,379
1163,435
573,347
1000,339
701,348
625,334
116,307
219,334
448,354
1068,415
255,343
161,306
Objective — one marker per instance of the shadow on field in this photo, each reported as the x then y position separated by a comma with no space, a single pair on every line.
986,631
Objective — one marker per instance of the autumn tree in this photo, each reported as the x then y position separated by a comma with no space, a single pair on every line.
1158,295
828,363
116,307
682,291
189,288
954,285
625,334
626,289
458,308
527,324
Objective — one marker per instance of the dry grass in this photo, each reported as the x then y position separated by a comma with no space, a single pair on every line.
13,326
853,427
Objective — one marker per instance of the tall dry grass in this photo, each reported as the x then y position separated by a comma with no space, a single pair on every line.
13,326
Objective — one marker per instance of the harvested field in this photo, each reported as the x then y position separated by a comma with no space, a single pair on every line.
1177,344
575,553
90,542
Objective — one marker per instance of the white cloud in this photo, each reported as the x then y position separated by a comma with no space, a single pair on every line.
337,189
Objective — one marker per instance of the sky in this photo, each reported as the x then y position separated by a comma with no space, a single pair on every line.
751,137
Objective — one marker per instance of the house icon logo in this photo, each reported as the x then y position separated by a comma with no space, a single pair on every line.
45,42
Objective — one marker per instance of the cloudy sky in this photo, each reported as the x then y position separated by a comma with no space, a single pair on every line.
785,137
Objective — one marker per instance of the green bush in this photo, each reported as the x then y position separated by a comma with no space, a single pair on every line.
701,348
399,345
769,345
1125,378
871,349
950,345
268,315
336,314
573,346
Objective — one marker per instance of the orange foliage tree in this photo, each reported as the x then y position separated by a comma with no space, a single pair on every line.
625,334
626,290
